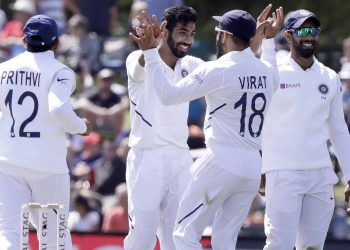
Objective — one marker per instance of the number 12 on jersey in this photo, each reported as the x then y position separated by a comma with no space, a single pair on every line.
256,112
9,103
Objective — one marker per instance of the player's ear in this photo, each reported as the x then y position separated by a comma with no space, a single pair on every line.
225,37
288,36
55,44
165,34
24,41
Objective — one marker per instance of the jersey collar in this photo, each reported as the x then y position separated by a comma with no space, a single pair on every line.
247,53
296,66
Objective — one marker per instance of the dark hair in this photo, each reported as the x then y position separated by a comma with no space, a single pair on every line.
240,41
43,48
83,201
179,14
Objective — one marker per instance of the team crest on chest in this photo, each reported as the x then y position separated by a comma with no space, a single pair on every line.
184,73
323,88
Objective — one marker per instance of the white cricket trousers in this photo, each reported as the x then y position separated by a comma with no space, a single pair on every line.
299,208
218,195
20,186
156,179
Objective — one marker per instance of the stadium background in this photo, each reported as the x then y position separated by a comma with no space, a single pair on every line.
333,16
335,28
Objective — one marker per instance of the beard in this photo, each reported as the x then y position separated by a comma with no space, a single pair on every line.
219,47
304,52
172,45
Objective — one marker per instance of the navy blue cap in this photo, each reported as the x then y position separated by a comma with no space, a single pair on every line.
238,22
296,18
40,30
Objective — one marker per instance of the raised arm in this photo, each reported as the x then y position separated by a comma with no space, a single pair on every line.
262,22
268,44
198,83
135,62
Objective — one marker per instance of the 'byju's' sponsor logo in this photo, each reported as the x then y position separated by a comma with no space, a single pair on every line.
290,85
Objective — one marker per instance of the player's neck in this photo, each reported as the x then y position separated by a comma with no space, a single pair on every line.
168,57
303,62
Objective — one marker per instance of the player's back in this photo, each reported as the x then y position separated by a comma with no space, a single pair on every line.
237,107
29,135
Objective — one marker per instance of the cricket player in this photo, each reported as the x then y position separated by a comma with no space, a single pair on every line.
35,117
158,163
305,111
237,88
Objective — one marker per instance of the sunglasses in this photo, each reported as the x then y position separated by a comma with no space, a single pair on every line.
217,29
304,32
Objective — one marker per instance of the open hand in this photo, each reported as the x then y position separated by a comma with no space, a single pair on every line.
145,38
262,22
144,19
150,33
275,23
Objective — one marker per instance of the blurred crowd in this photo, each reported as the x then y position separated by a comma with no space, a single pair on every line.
97,163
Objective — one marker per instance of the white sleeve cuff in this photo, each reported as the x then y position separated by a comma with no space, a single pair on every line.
268,43
151,55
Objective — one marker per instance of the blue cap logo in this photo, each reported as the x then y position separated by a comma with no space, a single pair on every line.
304,12
296,18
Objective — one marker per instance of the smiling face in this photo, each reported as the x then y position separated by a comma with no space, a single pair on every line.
181,38
303,46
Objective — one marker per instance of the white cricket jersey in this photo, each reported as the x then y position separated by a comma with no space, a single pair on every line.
35,112
237,89
152,123
305,111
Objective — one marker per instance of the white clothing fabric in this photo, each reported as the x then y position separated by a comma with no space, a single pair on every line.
156,179
35,117
228,84
153,124
219,195
306,110
293,194
88,223
20,186
237,88
36,113
159,160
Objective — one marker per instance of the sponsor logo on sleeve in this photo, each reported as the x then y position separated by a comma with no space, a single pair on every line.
289,85
196,79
